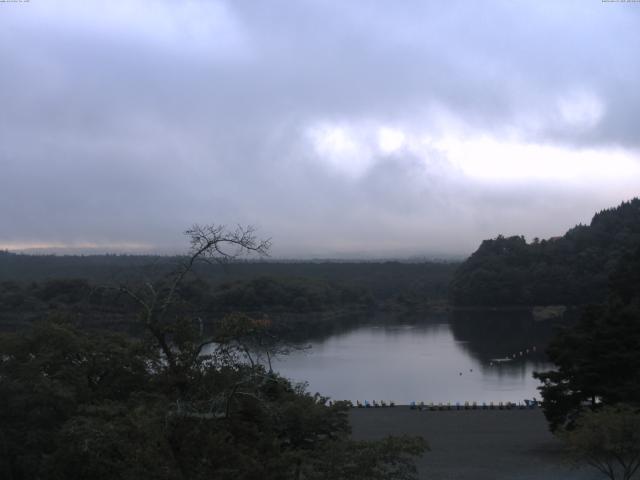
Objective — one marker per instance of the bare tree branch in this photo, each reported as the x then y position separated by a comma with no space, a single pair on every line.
211,243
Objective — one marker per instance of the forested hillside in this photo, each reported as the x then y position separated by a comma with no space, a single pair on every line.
598,357
86,288
383,280
573,269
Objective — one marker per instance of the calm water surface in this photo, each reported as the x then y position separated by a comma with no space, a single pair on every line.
438,359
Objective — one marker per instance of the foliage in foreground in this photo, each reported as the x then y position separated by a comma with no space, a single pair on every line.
174,405
607,439
78,405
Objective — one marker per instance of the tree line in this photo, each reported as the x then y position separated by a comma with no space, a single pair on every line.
568,270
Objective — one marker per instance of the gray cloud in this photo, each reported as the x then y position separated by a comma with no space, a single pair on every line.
125,123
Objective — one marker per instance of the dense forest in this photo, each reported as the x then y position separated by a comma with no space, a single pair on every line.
597,359
383,280
87,288
568,270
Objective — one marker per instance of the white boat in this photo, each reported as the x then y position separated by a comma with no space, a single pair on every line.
501,360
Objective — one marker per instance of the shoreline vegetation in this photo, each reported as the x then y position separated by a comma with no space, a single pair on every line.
82,288
300,323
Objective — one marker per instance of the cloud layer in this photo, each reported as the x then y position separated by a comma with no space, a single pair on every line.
338,128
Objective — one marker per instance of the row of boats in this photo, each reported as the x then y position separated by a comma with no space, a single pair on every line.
526,404
513,356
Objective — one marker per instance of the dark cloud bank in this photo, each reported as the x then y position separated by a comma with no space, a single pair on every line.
331,126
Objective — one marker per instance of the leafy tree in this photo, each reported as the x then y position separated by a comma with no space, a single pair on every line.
607,439
597,359
47,375
77,405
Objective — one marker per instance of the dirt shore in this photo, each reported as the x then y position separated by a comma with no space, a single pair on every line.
475,444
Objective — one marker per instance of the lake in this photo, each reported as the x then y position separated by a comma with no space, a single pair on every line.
435,358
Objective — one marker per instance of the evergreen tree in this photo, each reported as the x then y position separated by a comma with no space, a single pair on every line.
598,360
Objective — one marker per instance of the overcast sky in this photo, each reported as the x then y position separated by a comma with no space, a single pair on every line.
338,128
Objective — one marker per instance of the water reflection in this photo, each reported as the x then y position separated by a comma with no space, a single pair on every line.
437,358
499,334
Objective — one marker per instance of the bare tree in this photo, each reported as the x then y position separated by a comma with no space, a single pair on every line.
156,299
239,338
255,338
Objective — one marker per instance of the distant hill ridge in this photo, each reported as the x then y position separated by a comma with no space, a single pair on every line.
571,270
